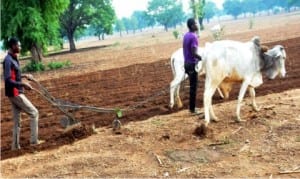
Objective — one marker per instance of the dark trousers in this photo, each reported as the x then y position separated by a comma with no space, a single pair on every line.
193,77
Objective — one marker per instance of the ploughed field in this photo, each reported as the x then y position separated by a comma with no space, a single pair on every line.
143,88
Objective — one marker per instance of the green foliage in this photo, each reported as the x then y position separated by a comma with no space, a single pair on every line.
167,13
127,24
130,24
119,26
104,18
176,34
141,17
210,9
58,65
197,7
293,3
34,66
35,23
81,13
233,7
118,112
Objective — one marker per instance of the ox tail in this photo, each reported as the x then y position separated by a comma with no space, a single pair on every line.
172,65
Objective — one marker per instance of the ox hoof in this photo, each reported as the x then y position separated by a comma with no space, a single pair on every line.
238,120
215,119
206,123
179,105
256,109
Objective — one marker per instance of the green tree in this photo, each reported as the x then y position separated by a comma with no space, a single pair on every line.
164,12
34,22
119,26
141,18
201,13
104,19
198,11
179,16
134,24
150,20
210,9
127,24
293,3
81,13
233,7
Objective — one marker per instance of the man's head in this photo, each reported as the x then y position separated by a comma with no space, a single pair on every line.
192,25
14,45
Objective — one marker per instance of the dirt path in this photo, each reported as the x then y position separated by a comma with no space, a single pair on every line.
164,145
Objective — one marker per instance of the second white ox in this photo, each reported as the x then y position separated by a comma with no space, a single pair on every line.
226,62
177,65
179,75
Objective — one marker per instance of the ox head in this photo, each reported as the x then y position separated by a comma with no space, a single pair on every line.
274,62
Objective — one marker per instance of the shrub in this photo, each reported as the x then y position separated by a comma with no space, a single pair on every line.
176,34
33,66
39,66
58,65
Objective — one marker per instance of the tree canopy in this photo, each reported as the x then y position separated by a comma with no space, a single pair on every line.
166,13
141,18
104,18
119,26
35,23
233,7
237,7
81,13
210,9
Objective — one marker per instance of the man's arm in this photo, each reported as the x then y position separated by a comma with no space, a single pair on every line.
9,80
196,55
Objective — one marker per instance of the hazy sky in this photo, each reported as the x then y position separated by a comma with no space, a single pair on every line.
124,8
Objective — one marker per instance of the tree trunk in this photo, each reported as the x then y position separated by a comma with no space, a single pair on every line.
195,12
166,28
102,36
36,53
201,23
71,41
194,8
99,36
61,43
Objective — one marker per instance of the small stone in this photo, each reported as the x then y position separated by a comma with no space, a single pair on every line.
166,174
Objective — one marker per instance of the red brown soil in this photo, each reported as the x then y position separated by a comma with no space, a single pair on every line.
122,87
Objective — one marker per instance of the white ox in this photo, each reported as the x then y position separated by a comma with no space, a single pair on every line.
179,75
227,62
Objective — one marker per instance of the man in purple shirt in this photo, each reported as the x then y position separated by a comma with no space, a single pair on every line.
191,58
